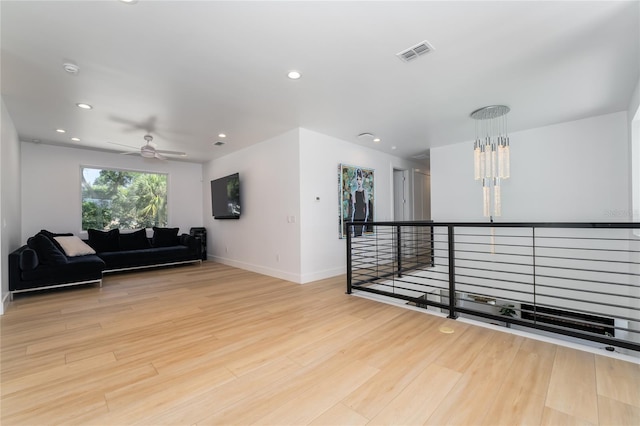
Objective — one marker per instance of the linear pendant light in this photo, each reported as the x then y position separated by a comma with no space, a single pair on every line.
491,155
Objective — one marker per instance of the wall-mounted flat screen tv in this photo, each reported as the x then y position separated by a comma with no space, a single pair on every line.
225,197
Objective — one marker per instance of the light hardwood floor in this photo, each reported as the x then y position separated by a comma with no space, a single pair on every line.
211,344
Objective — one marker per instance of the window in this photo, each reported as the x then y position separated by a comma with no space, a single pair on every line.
123,199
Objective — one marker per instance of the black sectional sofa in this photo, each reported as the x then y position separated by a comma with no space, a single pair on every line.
51,260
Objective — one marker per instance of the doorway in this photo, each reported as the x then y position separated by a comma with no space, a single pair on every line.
400,195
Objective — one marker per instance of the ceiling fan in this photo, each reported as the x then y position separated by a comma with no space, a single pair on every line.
150,150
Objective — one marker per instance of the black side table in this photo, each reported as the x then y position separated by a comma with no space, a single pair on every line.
201,235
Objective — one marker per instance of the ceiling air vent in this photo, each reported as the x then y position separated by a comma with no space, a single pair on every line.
422,156
413,52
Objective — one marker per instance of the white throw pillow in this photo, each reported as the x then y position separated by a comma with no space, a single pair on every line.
74,246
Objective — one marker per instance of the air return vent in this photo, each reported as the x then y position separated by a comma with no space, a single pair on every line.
422,156
413,52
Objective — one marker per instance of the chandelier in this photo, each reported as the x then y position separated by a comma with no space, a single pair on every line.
491,155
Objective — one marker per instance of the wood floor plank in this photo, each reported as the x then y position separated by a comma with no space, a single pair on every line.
520,399
572,388
472,396
212,344
612,412
418,400
553,417
198,407
340,414
618,380
370,398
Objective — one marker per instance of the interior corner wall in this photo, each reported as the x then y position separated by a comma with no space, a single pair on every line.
10,218
266,238
570,172
633,118
51,194
323,253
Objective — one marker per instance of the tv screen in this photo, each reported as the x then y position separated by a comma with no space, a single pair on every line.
225,197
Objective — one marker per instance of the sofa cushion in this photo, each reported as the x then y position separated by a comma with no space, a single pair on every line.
104,240
165,237
74,246
48,253
28,260
52,236
134,240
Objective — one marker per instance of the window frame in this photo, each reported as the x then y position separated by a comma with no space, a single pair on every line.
123,169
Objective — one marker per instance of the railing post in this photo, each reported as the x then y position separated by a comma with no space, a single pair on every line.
452,278
349,268
433,255
399,251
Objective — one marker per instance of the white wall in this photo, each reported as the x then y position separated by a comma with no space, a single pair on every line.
10,220
280,179
262,240
51,194
576,172
323,253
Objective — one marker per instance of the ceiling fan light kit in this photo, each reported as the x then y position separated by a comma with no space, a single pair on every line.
149,150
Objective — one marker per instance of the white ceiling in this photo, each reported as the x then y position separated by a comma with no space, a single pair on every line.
186,71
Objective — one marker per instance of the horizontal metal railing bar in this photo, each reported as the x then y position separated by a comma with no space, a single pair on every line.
492,244
559,237
544,276
585,249
584,225
583,280
492,279
551,247
565,268
581,259
499,262
496,253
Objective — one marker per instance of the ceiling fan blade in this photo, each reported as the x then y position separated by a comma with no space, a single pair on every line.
130,153
121,144
164,151
159,157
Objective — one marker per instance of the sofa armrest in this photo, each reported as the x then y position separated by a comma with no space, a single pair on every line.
21,259
191,242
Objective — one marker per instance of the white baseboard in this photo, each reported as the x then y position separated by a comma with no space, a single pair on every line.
283,275
277,273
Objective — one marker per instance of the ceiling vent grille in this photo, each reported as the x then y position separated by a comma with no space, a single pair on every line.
422,156
413,52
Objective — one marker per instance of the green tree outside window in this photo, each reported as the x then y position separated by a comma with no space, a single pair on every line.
123,199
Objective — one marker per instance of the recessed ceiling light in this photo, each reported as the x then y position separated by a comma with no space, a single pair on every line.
71,68
376,140
75,139
129,1
222,135
393,147
61,131
294,75
84,106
